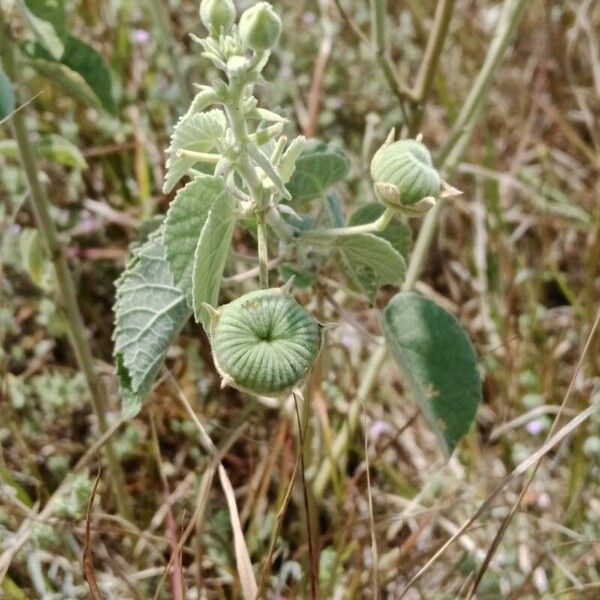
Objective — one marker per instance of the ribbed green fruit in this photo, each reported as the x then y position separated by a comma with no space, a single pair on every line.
265,342
408,166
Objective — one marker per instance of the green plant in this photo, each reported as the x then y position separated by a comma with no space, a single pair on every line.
244,173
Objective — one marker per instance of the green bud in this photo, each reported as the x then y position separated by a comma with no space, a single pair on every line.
260,27
217,15
404,174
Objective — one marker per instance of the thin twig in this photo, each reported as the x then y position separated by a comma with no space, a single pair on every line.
314,590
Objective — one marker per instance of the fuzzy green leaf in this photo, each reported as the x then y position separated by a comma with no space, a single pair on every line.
436,357
149,313
318,168
7,96
397,233
196,132
210,256
183,226
371,261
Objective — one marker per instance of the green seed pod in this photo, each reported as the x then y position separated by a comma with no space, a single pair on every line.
264,342
217,15
260,27
404,174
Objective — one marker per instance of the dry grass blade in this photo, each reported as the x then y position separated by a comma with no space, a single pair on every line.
242,557
88,559
275,535
506,522
518,471
314,586
374,550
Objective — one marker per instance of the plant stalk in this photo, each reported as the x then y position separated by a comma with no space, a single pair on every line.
263,253
329,234
66,286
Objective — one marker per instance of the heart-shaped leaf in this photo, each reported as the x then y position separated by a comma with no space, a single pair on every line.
438,362
318,168
371,261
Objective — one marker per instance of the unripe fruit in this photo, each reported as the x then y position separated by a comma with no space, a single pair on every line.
217,15
260,27
404,174
264,342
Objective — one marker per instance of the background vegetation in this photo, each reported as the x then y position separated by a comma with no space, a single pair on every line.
516,259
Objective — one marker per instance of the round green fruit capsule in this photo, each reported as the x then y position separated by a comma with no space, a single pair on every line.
404,174
264,342
260,27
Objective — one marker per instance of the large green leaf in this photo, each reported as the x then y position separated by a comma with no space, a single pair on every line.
183,226
397,233
81,71
7,96
196,132
318,168
371,261
149,313
438,362
210,256
48,22
83,59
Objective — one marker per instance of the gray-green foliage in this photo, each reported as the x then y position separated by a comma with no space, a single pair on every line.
262,181
7,96
149,313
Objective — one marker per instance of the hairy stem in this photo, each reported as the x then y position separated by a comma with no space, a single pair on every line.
263,253
66,287
330,234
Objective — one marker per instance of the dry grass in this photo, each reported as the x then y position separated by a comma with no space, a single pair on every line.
516,260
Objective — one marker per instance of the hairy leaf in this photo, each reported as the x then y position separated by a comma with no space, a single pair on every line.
197,132
149,313
371,261
7,96
183,226
397,233
439,364
319,167
210,256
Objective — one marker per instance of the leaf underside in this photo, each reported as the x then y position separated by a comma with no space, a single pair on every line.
370,262
149,313
438,362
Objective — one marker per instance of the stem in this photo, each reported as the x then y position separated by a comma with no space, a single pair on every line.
512,13
435,43
66,286
378,18
263,252
325,234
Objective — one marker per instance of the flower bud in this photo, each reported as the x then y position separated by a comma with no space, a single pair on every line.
260,27
217,15
404,174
